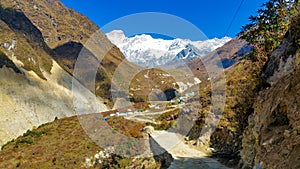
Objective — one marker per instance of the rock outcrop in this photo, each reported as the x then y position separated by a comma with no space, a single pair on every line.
272,138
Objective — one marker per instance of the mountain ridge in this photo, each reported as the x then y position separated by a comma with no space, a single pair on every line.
152,52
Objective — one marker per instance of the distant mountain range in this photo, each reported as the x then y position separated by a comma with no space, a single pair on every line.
150,52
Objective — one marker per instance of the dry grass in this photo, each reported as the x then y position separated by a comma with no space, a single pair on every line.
127,127
64,144
57,144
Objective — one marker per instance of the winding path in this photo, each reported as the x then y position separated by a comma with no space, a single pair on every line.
184,156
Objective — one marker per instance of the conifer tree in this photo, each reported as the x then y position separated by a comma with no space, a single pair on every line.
266,30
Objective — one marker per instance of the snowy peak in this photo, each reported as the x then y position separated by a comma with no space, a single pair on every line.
148,51
116,36
189,51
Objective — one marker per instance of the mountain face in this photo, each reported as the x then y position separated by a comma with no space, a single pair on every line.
147,51
64,33
57,24
40,42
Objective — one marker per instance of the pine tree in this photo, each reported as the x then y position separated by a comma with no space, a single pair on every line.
266,30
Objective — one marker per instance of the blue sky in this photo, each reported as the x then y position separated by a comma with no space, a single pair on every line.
213,17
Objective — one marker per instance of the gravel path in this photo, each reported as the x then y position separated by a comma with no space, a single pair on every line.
184,156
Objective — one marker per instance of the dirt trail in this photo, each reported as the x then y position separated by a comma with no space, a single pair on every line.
146,117
184,156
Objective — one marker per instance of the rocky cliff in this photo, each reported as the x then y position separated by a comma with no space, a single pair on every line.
272,138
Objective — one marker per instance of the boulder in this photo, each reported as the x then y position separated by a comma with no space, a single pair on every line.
148,129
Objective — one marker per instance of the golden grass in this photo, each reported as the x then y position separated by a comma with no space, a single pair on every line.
127,127
57,144
64,144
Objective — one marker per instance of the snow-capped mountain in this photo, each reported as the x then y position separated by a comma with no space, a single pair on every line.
147,51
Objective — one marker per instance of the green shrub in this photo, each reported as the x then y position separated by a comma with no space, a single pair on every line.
27,141
34,134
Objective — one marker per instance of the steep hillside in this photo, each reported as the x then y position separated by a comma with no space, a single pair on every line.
64,144
58,24
24,41
272,138
67,32
34,88
228,54
28,98
260,120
